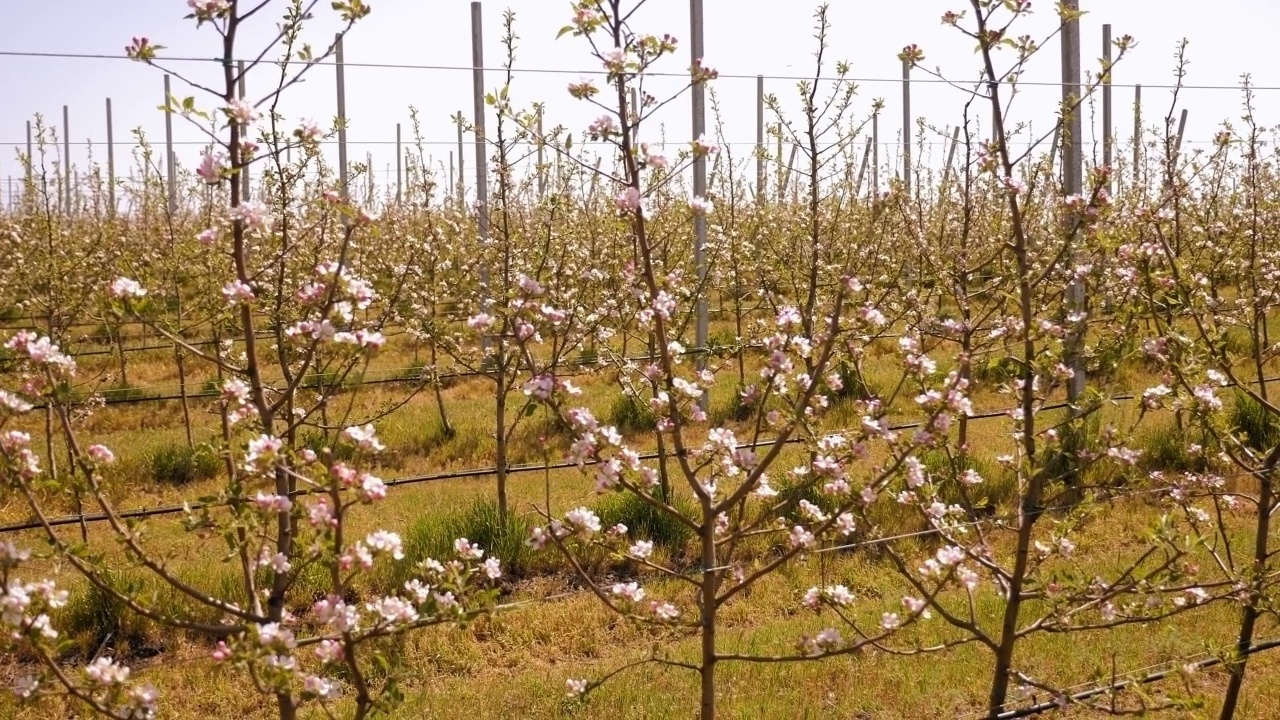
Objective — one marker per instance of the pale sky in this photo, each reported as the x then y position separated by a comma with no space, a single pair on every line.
743,37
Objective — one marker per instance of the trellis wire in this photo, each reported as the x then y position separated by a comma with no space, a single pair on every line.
598,71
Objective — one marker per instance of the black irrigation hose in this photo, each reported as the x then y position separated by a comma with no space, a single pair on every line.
456,316
1052,705
94,339
428,478
263,334
125,400
473,472
396,377
395,482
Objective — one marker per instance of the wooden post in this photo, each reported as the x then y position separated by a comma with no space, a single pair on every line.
244,132
461,189
786,176
875,153
906,127
478,107
168,150
341,82
1182,127
635,118
951,155
30,169
111,164
782,170
760,179
66,160
1137,135
866,155
542,169
699,113
1107,131
1073,178
1053,150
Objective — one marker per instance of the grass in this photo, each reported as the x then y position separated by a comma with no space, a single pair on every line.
645,522
480,522
178,465
630,415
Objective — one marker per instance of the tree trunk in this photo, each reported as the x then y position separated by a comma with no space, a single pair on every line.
500,435
446,430
1239,663
182,391
118,340
707,671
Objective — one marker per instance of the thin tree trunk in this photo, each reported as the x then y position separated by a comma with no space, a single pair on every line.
117,339
182,391
707,670
446,430
500,425
1239,663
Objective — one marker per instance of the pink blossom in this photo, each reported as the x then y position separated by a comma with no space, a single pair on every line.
702,147
574,688
365,437
582,90
604,127
383,541
529,285
319,687
241,112
13,403
539,387
106,672
308,131
628,591
237,292
254,216
584,520
629,199
101,454
802,538
208,9
614,59
664,611
372,488
480,321
123,287
653,159
212,167
273,503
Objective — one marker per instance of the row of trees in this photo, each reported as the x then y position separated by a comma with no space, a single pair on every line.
960,288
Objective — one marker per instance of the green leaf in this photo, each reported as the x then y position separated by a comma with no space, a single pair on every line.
564,31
